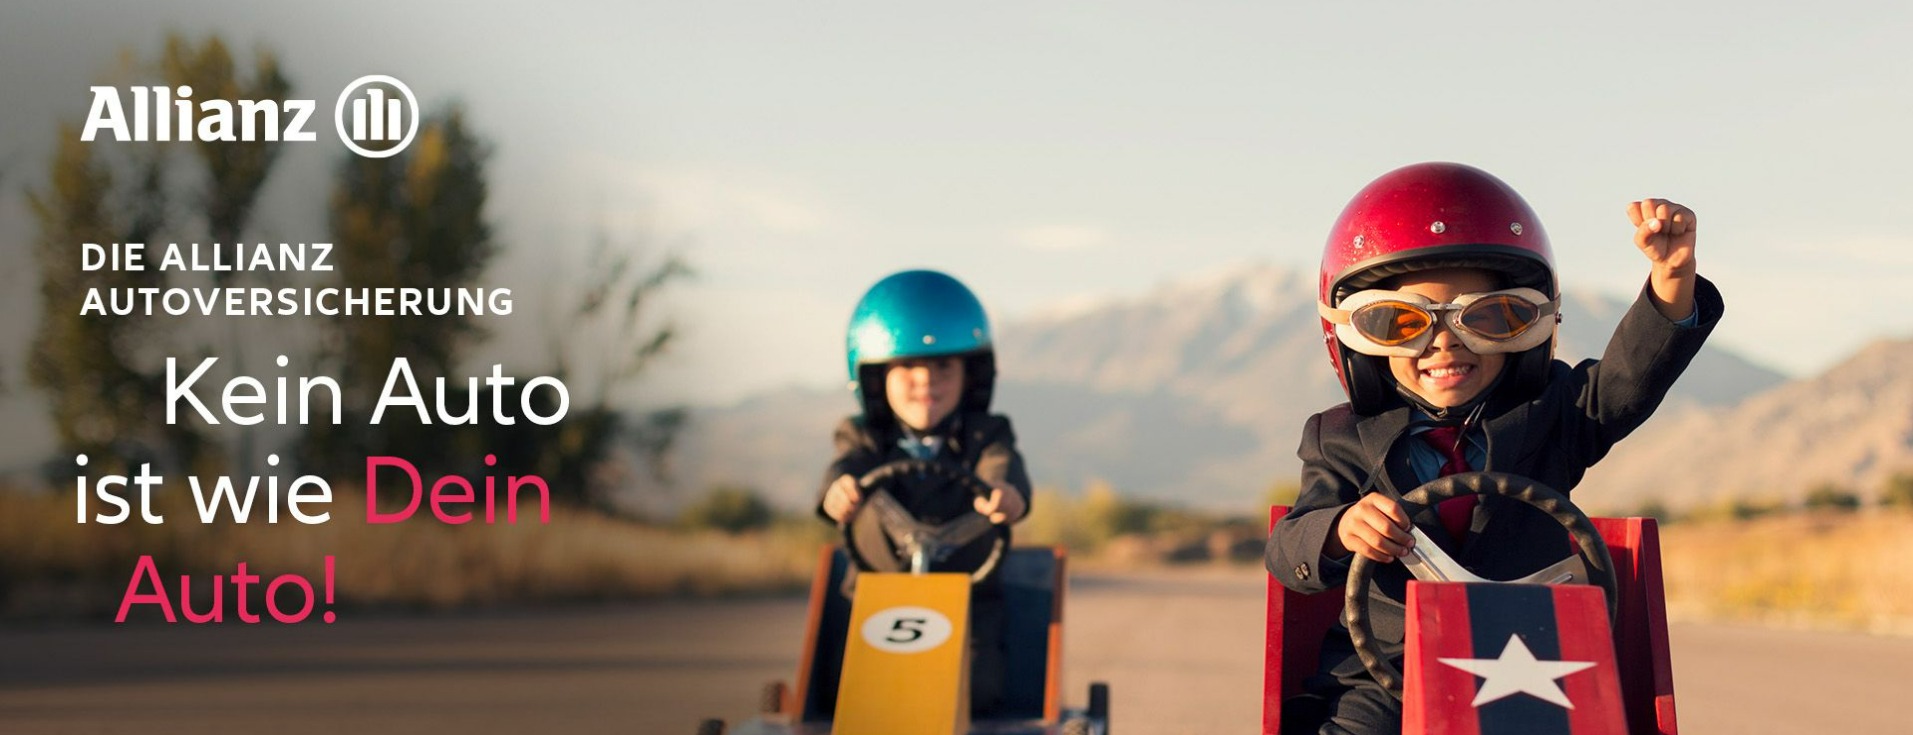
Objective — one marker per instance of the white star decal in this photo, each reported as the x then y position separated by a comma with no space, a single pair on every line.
1517,670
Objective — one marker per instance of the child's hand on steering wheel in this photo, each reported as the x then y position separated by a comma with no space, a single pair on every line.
1375,527
1004,506
841,500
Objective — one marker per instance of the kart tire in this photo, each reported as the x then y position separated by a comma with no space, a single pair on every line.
771,700
1099,704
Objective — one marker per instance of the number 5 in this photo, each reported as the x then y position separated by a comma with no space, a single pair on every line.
910,628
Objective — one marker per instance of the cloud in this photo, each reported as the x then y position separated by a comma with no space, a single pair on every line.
702,199
1875,251
1060,237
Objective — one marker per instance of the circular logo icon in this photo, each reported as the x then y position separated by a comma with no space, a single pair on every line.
384,123
907,629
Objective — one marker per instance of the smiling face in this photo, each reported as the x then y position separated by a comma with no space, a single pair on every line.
1446,374
922,392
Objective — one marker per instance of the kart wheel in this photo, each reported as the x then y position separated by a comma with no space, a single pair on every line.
1099,704
1593,552
710,727
771,701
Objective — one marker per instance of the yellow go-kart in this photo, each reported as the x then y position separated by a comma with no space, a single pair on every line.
894,660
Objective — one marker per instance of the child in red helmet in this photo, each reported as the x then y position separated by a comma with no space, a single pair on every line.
1439,304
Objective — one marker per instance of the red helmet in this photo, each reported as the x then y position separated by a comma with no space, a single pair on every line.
1426,216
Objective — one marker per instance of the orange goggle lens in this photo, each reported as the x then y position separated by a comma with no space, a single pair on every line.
1391,323
1501,317
1498,317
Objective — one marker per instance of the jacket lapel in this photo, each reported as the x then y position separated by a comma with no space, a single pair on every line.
1380,435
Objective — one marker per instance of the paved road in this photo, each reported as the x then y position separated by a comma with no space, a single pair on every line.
1181,651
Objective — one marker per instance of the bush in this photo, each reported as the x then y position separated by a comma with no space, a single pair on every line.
1746,508
1088,522
1831,496
1655,509
1735,509
1898,492
1105,514
1280,492
729,508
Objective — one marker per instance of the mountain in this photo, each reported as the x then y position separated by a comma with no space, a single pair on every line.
1851,425
1195,392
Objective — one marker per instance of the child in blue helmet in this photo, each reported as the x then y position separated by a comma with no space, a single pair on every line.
920,359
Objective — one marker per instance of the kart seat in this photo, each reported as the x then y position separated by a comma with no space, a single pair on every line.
1296,624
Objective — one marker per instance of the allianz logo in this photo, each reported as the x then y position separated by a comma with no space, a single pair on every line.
376,116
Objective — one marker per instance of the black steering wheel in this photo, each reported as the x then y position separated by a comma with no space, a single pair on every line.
910,545
1592,550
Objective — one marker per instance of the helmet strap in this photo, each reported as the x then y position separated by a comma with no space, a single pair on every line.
979,378
1522,377
1368,381
1530,369
1456,414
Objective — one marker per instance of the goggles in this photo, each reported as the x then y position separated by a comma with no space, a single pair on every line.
1398,324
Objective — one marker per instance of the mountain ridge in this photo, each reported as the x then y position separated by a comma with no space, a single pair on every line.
1192,392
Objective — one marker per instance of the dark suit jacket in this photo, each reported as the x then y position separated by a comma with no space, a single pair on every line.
982,443
1553,438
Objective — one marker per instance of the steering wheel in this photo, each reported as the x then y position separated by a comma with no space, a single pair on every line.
912,544
1593,554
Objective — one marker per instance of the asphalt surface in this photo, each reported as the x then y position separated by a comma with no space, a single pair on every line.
1181,651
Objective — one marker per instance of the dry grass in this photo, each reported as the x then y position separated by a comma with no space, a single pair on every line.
1823,569
1844,570
52,566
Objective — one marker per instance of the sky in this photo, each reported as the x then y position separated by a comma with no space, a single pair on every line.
1063,153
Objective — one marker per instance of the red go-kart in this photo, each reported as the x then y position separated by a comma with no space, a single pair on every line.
1580,647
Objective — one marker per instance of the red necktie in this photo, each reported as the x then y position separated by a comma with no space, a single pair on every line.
1455,513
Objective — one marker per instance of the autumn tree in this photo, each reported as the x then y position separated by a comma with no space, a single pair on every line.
101,374
104,374
604,338
416,219
231,172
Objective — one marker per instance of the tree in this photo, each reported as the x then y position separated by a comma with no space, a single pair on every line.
98,371
416,219
235,170
603,340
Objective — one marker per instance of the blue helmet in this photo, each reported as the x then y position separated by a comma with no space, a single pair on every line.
919,313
